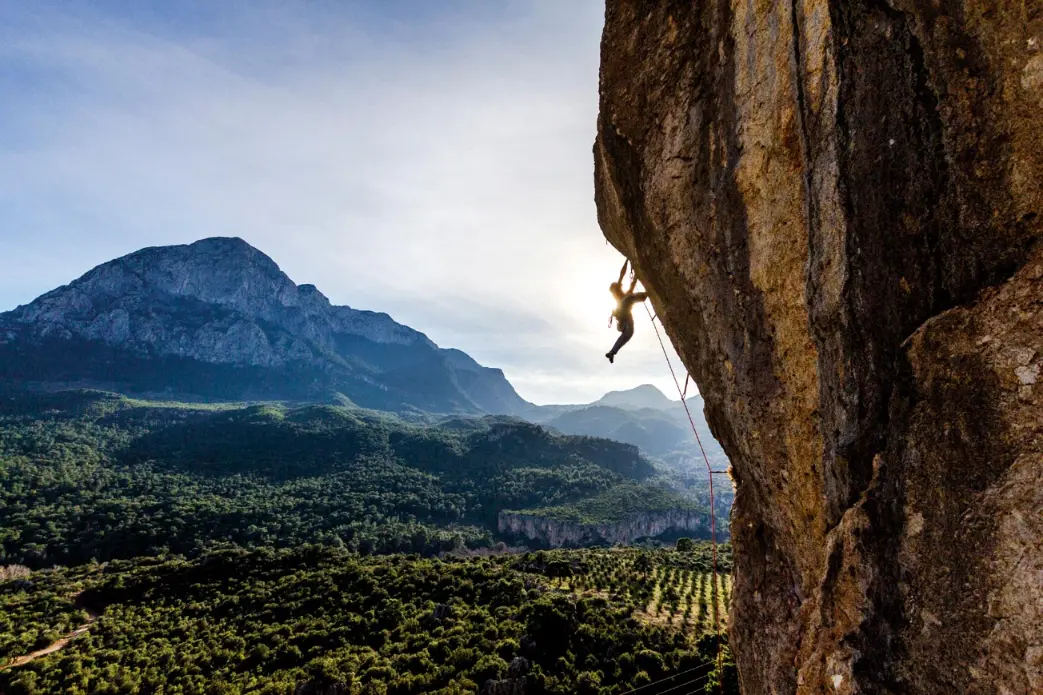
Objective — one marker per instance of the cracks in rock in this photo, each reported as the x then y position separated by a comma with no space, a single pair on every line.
802,112
899,209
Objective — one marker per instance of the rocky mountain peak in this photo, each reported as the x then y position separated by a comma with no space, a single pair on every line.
220,301
224,271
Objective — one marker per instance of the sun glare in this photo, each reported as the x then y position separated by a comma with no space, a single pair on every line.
587,296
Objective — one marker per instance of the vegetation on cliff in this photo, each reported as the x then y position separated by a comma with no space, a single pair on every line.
619,503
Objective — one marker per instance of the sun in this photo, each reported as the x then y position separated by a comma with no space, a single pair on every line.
586,296
584,291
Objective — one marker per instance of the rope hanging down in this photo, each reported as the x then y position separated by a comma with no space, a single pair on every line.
709,474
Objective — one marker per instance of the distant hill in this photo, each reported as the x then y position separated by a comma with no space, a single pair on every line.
644,396
218,320
654,431
645,417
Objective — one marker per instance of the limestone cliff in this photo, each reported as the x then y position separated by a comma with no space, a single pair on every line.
835,206
557,533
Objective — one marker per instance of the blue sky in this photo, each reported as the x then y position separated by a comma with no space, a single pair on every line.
427,159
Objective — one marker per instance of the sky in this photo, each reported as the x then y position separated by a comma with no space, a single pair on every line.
431,160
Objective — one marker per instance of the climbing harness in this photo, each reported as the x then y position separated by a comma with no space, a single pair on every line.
709,474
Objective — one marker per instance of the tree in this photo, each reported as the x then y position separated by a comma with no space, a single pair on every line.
685,545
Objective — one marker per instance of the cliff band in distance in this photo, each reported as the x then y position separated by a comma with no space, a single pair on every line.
835,207
558,533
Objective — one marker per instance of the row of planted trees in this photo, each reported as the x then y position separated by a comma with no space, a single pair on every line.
277,621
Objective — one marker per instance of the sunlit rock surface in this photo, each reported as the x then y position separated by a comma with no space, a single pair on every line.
835,206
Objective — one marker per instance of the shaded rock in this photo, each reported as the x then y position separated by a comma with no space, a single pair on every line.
441,612
519,666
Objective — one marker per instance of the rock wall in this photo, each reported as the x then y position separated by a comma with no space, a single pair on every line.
835,206
556,533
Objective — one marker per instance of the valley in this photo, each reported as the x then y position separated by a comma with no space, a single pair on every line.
89,475
213,481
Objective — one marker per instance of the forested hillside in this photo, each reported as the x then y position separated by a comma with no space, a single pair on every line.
322,549
88,475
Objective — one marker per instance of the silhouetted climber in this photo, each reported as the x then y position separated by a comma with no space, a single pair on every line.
624,305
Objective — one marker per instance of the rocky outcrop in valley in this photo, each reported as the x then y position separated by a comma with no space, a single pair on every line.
557,533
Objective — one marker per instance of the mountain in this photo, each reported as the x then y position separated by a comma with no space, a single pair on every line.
218,320
645,417
656,432
644,396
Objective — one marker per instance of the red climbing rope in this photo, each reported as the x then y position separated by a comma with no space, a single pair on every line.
709,474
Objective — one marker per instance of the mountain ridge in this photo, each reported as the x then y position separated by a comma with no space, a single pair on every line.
218,320
217,313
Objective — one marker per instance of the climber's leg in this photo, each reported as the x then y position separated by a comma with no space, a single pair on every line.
624,337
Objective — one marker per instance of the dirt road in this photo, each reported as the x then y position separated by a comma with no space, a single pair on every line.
57,645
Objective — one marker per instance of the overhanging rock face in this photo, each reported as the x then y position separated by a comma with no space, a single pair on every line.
835,206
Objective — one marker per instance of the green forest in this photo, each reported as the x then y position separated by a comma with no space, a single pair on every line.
306,620
184,548
617,503
93,476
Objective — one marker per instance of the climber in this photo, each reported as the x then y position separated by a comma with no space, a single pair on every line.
624,305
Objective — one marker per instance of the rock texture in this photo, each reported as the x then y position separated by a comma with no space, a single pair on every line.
514,684
835,206
556,533
223,309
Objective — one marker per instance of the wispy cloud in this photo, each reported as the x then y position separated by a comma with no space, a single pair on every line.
431,160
